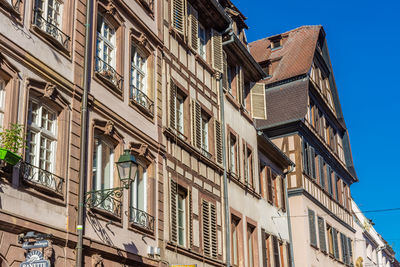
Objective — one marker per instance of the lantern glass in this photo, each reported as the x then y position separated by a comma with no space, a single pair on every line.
127,166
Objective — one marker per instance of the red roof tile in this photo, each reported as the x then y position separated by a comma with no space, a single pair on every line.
296,55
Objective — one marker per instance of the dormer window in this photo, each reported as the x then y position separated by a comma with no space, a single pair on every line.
276,43
266,67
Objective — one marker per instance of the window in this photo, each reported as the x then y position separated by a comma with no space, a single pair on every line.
139,195
202,42
250,241
106,61
181,213
209,229
308,153
234,241
179,113
48,17
42,137
321,233
275,247
103,173
311,224
233,154
330,239
266,249
321,172
204,132
276,43
2,101
249,167
138,83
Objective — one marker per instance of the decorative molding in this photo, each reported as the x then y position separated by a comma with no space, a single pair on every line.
108,128
97,260
142,41
142,151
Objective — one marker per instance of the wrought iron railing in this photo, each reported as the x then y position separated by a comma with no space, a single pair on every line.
51,29
108,73
142,99
141,219
106,199
42,177
205,153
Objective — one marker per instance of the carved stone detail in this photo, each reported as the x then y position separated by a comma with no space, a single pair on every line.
49,90
97,260
109,128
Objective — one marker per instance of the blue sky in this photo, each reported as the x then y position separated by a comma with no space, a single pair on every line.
363,40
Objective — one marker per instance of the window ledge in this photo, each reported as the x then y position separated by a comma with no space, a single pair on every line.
142,110
232,100
193,254
109,85
245,113
242,185
52,41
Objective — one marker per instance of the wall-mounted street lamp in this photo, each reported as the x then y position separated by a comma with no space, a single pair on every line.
127,167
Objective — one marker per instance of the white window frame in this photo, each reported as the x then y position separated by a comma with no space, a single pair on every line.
232,153
135,187
202,34
181,196
204,132
138,70
2,101
103,41
43,8
179,113
49,135
99,160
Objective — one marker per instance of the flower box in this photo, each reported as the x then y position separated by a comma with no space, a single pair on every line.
8,156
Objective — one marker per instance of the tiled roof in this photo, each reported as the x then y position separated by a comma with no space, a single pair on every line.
284,103
296,55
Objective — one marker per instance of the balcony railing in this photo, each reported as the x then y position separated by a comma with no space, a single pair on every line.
42,177
142,99
108,73
205,153
51,29
142,219
106,199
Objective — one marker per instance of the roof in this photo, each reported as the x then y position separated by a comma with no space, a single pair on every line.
285,103
296,55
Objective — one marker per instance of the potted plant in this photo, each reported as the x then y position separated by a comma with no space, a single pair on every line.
11,141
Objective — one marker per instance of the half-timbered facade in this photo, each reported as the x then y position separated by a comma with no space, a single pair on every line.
304,119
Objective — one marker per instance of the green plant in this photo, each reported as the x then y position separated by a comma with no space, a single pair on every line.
13,139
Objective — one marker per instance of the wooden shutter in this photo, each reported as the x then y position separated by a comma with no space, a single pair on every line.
216,40
289,255
213,222
174,226
283,200
190,218
350,251
311,160
193,113
198,124
269,186
305,155
240,84
193,27
329,179
335,243
264,248
321,233
321,172
275,247
311,223
225,74
206,228
178,15
258,106
343,246
218,141
172,106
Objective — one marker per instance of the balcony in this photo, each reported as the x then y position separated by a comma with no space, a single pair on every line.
51,30
141,219
108,200
108,73
141,99
43,178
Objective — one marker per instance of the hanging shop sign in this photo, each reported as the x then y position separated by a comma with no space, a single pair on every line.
34,258
35,244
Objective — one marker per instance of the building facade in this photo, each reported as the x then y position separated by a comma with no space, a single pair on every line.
304,119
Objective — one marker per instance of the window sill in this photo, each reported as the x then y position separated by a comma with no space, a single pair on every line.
245,113
108,85
142,110
172,246
250,190
232,100
105,215
50,40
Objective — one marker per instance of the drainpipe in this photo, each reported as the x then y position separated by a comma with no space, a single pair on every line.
288,213
84,133
225,181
